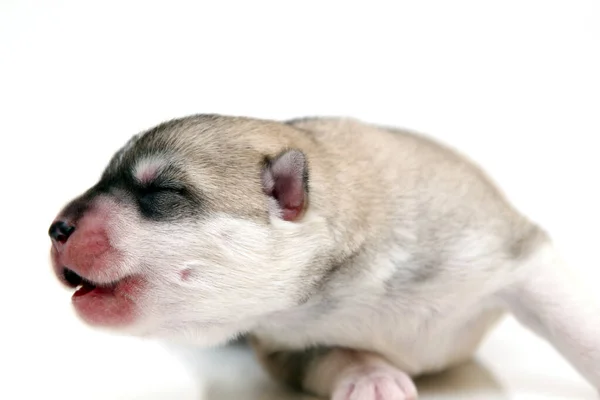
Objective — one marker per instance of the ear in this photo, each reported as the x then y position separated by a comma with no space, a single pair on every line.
285,179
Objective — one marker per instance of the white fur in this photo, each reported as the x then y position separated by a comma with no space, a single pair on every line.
420,331
236,272
547,298
429,257
240,278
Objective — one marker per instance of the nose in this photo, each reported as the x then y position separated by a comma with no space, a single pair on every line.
60,231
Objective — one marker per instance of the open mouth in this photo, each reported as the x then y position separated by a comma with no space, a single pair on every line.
105,304
84,286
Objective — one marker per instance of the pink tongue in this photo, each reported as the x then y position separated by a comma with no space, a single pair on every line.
83,290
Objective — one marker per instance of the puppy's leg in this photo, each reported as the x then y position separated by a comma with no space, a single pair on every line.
547,298
337,373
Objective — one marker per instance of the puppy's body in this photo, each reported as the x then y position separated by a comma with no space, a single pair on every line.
355,256
415,279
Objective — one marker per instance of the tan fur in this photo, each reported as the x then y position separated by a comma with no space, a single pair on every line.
403,259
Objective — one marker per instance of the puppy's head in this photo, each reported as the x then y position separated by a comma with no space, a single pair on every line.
198,227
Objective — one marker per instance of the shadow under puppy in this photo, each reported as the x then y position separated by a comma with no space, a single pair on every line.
354,256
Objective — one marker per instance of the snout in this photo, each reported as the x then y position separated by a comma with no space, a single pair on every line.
84,258
82,249
60,231
76,254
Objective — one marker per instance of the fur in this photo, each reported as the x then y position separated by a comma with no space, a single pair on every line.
404,256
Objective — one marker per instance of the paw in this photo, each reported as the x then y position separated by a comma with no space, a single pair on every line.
375,383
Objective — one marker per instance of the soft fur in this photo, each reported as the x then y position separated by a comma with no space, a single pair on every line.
378,255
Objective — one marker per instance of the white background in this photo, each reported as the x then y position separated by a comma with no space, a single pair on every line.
513,84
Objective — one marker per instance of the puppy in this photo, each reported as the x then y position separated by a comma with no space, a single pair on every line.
354,257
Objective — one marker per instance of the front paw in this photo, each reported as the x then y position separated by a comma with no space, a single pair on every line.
375,383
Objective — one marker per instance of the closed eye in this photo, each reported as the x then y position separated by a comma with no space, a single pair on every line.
163,187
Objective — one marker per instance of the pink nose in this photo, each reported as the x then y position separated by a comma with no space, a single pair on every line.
60,231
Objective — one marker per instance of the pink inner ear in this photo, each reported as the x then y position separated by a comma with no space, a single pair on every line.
289,193
284,180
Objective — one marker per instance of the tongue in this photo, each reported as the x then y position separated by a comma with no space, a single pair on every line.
84,289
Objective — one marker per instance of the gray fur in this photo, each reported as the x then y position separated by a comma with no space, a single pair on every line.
396,263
